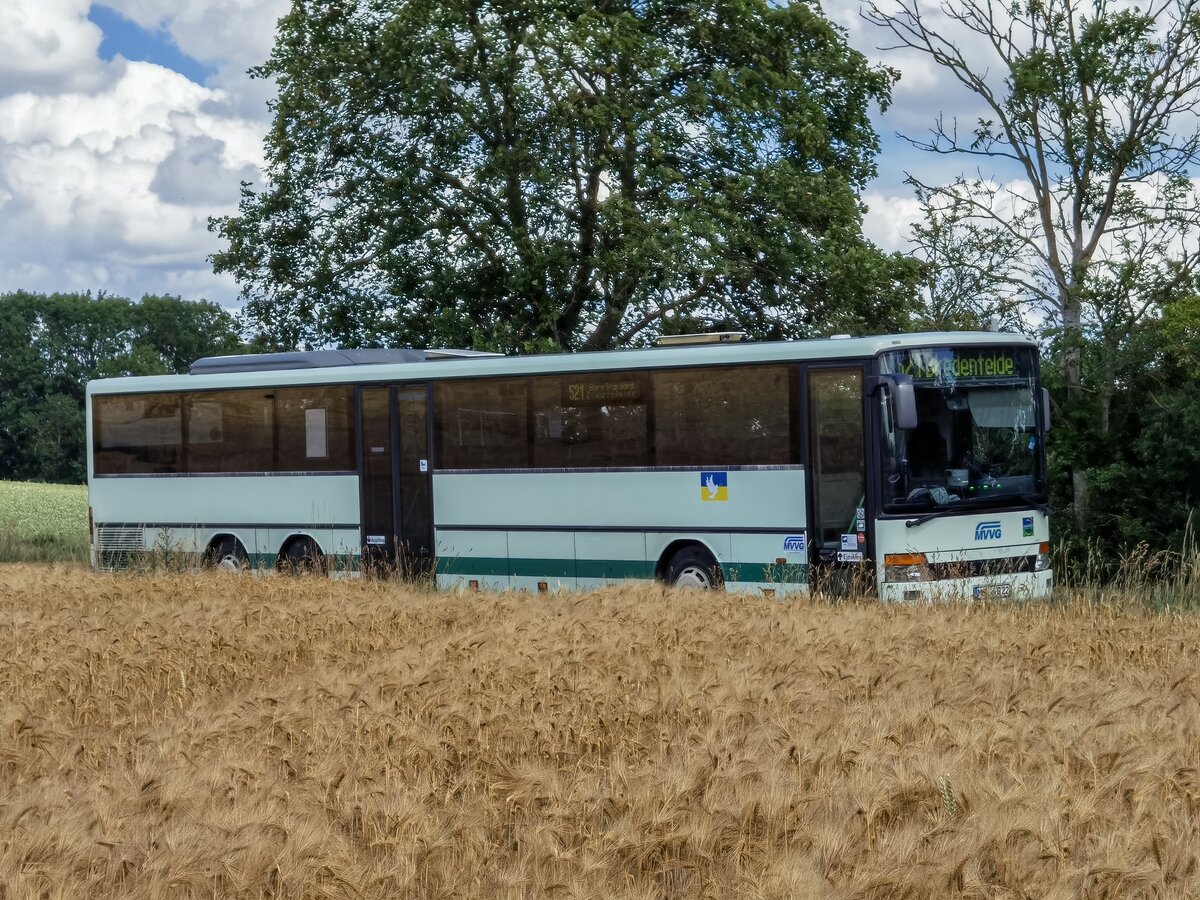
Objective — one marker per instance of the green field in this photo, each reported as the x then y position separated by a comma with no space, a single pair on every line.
43,522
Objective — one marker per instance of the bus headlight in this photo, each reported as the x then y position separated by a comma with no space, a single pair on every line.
905,568
1042,563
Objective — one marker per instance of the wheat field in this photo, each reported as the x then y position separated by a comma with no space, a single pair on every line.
233,737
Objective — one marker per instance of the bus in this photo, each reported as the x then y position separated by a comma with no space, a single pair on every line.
911,466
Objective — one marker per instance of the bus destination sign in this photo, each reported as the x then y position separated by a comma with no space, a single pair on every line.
601,393
947,366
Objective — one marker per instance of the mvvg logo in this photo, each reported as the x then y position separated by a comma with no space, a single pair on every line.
987,531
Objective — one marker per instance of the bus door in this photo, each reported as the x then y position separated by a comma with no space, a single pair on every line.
396,478
839,534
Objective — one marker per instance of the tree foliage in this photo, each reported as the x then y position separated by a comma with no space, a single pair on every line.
562,174
1086,222
54,344
1094,107
1144,465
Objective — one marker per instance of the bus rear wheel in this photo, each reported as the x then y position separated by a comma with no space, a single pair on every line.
227,555
693,568
303,557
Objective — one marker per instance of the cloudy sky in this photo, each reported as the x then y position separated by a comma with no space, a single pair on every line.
124,126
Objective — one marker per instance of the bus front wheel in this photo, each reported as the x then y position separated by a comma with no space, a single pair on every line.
693,568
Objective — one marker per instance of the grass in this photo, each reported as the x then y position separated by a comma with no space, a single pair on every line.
43,522
236,737
1159,580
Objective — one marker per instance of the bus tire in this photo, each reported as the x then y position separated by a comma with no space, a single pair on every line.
227,555
693,568
303,557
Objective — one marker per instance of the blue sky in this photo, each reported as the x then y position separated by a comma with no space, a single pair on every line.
127,38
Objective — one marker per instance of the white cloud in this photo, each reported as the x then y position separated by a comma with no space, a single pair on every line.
47,46
925,91
238,32
889,219
109,171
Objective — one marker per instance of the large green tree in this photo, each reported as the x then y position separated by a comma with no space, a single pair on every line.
562,174
52,345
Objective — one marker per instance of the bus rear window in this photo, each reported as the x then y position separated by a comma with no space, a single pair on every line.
138,434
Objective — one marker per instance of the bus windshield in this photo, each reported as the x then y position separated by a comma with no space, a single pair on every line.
978,438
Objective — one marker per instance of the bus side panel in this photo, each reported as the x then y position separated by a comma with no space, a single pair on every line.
728,499
755,562
541,557
620,521
260,510
604,558
470,556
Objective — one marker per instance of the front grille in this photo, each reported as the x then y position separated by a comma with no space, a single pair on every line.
983,568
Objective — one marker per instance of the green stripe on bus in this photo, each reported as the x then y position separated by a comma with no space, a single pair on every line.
614,568
772,573
500,566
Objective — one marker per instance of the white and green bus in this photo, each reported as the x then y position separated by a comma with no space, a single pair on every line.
911,465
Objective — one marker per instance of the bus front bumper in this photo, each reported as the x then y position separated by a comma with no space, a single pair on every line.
1022,586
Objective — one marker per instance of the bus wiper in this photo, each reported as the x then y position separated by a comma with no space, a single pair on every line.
919,520
927,495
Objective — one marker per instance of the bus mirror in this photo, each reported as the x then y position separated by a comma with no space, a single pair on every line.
1045,410
906,405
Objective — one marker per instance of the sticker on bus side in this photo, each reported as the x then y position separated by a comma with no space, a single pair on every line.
794,543
714,486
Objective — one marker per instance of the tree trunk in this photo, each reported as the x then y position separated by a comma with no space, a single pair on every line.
1072,349
1079,485
1072,372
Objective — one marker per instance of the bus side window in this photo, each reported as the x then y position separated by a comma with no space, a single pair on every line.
231,431
590,421
723,416
482,424
315,428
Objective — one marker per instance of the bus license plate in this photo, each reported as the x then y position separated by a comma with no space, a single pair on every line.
993,591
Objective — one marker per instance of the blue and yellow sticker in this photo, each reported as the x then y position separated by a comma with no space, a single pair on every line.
714,486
